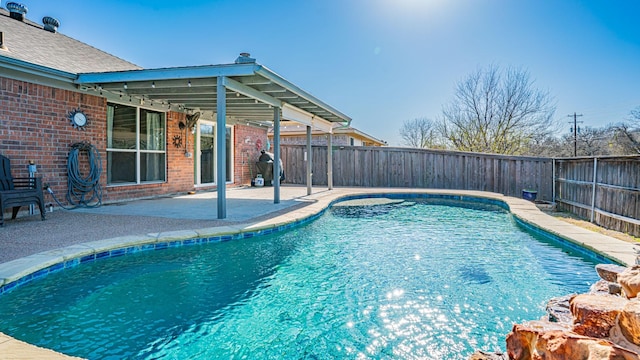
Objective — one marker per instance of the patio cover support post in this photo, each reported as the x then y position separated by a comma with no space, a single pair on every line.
276,155
221,161
309,167
330,161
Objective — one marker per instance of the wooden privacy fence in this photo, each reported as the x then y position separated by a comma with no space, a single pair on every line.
605,190
419,168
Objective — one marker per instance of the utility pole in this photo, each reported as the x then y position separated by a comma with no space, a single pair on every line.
575,132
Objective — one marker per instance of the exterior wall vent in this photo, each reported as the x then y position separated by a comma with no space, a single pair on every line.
50,24
16,10
245,58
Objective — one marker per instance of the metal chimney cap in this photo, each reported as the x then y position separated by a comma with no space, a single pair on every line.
50,24
245,58
16,10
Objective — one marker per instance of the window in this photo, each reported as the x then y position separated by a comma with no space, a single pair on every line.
136,151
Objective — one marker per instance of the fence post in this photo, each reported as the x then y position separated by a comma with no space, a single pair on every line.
330,161
593,191
553,182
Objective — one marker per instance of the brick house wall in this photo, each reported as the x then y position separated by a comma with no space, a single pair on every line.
34,125
248,142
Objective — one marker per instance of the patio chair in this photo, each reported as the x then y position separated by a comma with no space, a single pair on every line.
17,192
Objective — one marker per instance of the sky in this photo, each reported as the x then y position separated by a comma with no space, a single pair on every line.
383,62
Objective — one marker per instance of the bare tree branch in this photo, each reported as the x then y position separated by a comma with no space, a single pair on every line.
420,133
496,111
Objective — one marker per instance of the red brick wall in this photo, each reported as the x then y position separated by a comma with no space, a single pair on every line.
34,126
249,140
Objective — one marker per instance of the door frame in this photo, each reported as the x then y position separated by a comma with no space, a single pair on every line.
197,154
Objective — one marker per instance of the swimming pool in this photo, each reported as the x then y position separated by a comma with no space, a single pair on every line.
422,278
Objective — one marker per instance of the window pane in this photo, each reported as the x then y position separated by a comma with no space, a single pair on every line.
121,167
206,129
151,167
121,127
207,154
152,135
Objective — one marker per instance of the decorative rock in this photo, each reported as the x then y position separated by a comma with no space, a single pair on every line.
595,315
600,287
605,287
558,310
630,281
615,289
609,272
534,341
481,355
629,321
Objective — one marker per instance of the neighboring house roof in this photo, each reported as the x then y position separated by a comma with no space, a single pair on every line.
297,130
55,50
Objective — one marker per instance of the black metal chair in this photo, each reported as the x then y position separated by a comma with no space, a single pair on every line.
17,192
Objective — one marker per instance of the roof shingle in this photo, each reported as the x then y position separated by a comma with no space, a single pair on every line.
28,41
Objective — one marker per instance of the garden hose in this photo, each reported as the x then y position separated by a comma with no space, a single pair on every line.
82,191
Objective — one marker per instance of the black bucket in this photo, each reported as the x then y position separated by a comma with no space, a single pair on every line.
529,195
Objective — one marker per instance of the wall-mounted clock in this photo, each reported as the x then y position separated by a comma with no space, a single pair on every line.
78,118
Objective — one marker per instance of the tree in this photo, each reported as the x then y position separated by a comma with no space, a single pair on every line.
593,141
420,133
627,135
497,111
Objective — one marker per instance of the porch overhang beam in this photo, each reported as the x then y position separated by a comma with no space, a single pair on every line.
292,113
193,72
245,90
277,79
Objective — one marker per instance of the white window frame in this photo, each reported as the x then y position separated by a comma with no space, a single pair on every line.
137,150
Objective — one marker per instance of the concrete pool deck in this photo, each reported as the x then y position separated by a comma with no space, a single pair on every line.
28,245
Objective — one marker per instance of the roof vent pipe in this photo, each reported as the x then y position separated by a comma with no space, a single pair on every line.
50,24
2,45
245,58
16,10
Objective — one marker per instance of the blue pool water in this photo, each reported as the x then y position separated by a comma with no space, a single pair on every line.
427,279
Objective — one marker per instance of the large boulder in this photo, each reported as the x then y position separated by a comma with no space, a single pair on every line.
482,355
538,341
558,310
609,272
600,287
595,315
629,279
629,321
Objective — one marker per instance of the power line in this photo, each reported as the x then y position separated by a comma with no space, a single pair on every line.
575,132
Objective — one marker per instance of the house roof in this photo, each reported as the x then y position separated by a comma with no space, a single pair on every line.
252,90
296,130
54,50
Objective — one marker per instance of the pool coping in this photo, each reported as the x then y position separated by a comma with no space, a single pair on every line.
20,271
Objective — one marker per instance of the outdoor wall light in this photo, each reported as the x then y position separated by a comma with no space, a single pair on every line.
153,84
125,86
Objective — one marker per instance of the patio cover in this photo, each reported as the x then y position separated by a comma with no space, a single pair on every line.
244,91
